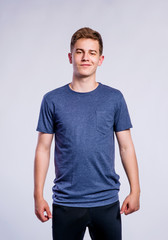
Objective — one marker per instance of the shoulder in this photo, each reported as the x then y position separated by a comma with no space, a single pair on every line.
54,94
114,92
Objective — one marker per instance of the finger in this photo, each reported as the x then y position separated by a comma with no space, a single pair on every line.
124,207
49,215
129,210
42,217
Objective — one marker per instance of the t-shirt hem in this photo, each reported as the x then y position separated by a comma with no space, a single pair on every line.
122,129
44,131
93,204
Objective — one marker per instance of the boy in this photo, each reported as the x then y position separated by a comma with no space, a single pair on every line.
83,116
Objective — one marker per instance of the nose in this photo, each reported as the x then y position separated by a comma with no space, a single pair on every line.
85,56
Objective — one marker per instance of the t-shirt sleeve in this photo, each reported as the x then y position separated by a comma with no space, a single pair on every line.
122,119
46,117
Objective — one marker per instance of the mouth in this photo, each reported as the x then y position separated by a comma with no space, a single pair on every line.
85,65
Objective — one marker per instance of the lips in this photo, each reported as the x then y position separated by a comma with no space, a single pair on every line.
85,65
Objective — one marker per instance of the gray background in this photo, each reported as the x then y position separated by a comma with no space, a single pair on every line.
35,38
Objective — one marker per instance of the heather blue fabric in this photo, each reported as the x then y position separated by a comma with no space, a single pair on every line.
84,126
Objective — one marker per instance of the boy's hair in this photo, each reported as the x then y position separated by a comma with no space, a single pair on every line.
87,33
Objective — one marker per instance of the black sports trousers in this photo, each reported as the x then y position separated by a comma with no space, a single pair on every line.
104,222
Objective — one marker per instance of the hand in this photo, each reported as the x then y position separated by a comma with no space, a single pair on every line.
41,206
130,204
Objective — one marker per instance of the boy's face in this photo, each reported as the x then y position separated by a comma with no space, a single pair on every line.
85,57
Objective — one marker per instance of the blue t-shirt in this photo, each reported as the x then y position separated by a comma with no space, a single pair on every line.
84,125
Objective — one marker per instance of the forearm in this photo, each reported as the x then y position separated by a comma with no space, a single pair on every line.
129,161
41,164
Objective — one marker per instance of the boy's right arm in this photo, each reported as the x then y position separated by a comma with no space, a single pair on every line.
41,164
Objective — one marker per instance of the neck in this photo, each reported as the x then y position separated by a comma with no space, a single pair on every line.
83,84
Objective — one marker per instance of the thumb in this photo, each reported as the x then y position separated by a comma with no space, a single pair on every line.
49,215
124,207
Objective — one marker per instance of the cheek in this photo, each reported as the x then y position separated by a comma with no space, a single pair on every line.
96,62
77,59
74,61
99,62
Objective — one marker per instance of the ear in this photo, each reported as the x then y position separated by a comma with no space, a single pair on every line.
101,58
70,57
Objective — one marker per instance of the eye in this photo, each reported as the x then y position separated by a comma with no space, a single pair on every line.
78,52
93,53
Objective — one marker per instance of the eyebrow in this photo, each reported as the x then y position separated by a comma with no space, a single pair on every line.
83,50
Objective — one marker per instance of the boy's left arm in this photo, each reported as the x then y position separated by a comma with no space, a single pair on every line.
129,161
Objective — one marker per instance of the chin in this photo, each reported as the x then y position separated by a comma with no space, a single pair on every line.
83,75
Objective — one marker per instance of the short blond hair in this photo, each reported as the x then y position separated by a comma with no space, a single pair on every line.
87,32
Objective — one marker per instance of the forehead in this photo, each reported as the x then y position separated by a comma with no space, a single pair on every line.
87,44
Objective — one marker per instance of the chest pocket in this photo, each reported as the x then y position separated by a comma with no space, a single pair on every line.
104,121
